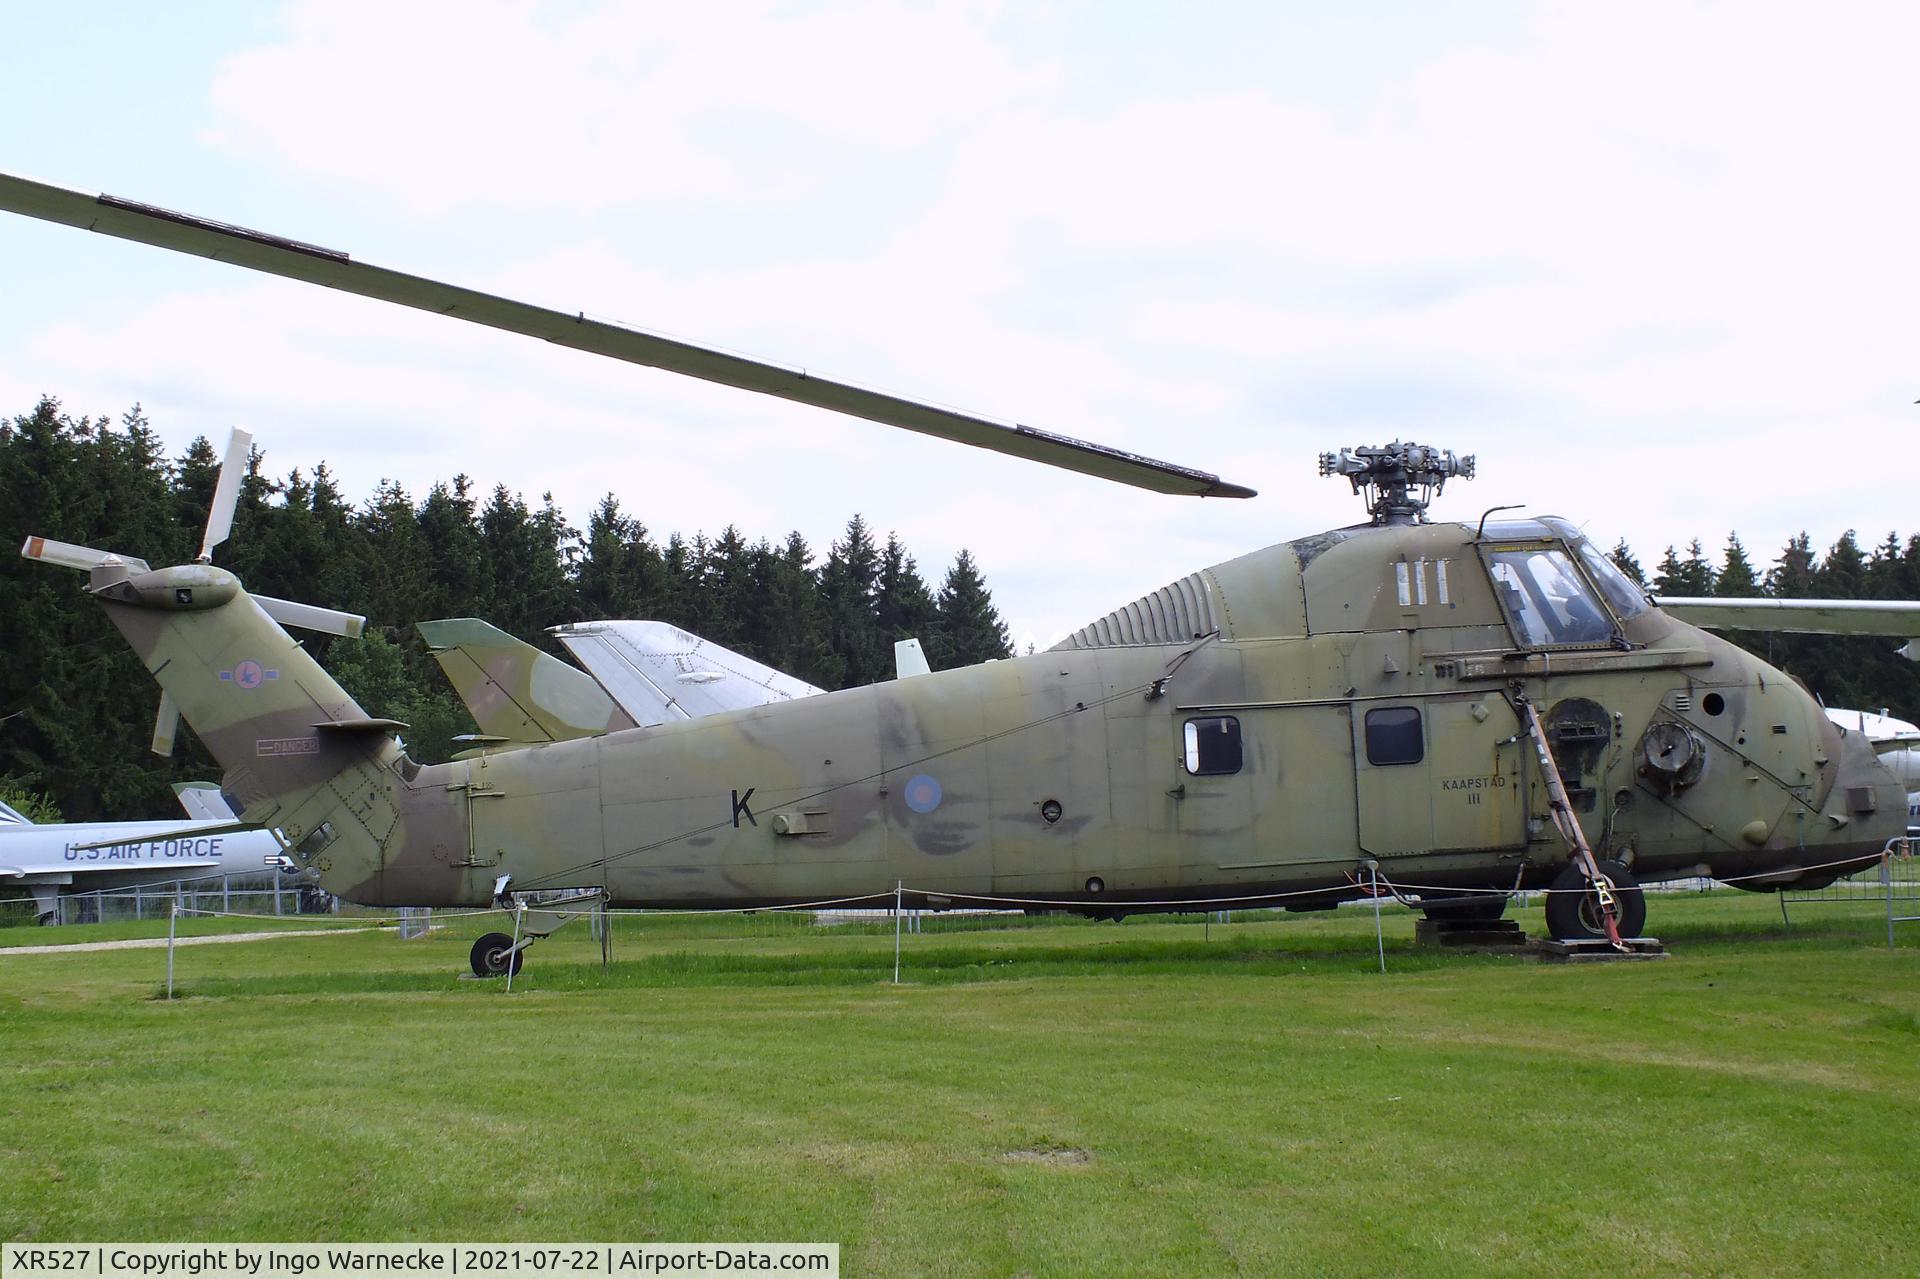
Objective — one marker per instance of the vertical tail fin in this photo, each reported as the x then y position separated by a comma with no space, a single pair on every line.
297,750
514,690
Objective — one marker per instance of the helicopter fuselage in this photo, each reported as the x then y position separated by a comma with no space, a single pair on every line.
1276,727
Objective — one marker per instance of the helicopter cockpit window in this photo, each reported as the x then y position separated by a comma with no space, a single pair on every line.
1546,599
1628,598
1213,746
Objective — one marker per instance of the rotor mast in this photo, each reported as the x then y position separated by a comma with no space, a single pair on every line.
1389,475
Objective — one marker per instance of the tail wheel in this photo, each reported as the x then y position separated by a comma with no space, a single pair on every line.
491,955
1573,908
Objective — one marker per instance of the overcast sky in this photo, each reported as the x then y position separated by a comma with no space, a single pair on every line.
1654,264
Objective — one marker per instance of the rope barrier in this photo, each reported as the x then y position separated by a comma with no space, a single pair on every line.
358,921
1375,888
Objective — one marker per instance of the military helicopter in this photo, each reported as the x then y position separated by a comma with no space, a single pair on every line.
1458,710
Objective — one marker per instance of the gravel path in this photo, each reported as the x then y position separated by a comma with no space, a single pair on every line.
151,943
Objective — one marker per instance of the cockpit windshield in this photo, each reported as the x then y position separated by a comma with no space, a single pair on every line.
1626,596
1546,599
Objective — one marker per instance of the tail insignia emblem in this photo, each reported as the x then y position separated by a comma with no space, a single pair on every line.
249,675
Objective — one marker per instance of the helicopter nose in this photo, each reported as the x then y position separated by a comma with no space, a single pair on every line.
1866,806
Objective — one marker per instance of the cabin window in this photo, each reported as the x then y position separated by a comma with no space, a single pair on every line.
1546,599
1394,736
1213,746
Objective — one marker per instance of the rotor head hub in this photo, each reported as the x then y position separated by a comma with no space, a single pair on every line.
1389,476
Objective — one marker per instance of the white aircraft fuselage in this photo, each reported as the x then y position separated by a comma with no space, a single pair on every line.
52,859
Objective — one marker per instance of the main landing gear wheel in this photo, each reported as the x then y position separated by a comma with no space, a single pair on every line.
1573,909
491,953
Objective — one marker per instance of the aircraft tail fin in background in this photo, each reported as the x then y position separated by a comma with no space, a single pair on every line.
515,691
660,673
909,659
204,802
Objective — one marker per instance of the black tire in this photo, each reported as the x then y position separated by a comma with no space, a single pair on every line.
1573,911
1468,910
489,956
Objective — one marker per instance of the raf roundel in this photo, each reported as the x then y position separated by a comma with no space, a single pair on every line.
923,794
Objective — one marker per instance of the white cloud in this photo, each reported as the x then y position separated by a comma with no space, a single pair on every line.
1652,263
456,107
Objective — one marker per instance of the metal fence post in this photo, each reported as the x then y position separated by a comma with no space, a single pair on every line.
897,891
513,956
1886,880
1379,937
173,917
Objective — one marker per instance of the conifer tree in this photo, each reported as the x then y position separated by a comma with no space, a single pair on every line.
620,574
1623,559
679,577
1843,574
729,588
457,584
392,562
526,557
848,585
1791,576
903,606
793,635
1690,578
1736,578
969,628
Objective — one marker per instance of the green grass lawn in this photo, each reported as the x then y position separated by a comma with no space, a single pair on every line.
1049,1098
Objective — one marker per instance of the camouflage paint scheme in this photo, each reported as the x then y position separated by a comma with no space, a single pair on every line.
515,692
947,782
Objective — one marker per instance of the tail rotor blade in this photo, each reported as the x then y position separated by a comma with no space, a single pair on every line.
226,492
166,725
311,617
84,558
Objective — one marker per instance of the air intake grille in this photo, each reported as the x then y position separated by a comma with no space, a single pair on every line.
1173,614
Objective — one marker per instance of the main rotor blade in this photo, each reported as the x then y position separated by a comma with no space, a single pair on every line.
84,558
276,255
226,492
1812,617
